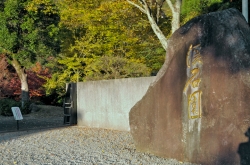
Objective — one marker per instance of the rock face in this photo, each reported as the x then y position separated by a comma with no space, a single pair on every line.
198,108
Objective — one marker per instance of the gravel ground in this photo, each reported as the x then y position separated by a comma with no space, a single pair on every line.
74,145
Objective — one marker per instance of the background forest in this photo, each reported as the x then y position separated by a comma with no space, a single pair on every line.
47,43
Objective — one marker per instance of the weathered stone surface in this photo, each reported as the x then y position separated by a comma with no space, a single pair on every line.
198,109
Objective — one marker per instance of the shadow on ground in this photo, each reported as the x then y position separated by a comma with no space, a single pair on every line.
47,117
9,124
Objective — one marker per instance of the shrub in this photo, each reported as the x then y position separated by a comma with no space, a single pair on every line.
6,104
26,107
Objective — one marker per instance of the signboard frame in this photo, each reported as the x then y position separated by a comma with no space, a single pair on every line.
17,115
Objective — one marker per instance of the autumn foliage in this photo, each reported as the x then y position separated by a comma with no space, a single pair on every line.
10,83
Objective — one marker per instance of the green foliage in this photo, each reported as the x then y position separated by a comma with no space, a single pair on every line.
104,39
111,29
6,104
109,67
26,35
193,8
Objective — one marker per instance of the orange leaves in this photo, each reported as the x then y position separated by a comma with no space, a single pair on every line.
39,70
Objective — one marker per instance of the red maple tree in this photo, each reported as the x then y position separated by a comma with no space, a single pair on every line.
10,83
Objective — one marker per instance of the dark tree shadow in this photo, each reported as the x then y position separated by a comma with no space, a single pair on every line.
244,150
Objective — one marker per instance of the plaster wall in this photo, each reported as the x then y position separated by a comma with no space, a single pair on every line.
106,103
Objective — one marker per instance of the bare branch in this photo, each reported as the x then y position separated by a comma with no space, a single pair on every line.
146,8
155,27
158,10
170,4
152,22
139,7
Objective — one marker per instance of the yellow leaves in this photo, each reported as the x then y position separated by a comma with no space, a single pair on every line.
110,67
77,14
48,8
112,41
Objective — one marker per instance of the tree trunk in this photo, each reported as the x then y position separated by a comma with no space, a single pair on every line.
24,82
175,9
176,12
176,17
145,9
157,31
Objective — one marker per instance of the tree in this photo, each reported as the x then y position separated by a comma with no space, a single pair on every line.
10,83
36,81
176,12
154,9
28,33
106,41
175,9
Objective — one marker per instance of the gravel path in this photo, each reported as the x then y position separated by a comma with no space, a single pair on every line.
74,145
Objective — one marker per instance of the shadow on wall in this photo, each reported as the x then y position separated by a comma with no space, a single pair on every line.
244,150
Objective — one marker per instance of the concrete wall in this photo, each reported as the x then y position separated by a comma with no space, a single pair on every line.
106,103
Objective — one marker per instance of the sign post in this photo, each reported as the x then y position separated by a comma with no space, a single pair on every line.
17,115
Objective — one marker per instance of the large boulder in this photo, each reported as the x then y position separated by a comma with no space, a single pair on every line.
198,108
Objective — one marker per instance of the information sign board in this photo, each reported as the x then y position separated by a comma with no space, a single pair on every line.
17,113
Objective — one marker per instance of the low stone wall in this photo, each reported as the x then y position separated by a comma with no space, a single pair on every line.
106,103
